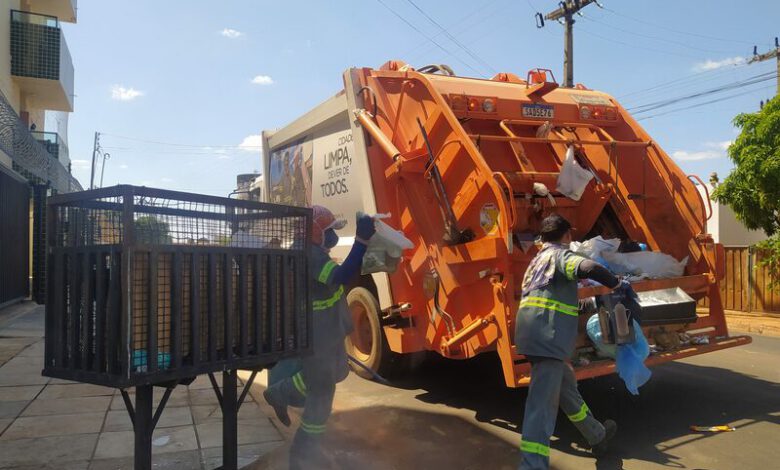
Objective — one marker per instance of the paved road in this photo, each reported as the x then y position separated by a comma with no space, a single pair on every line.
458,415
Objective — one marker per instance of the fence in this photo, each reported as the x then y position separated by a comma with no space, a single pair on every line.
747,286
30,158
14,227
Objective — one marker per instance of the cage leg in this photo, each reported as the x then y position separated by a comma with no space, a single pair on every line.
161,406
229,420
247,385
144,426
215,386
129,406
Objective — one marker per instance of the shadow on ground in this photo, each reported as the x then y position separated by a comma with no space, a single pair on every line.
678,396
392,438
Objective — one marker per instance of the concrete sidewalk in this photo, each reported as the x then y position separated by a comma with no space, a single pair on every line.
55,424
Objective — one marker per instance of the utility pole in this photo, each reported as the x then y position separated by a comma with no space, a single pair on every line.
95,149
773,54
106,156
565,15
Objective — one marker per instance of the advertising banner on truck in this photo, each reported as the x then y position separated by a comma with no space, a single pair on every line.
291,173
318,169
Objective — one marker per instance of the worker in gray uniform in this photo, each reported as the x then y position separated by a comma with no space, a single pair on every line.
314,385
545,332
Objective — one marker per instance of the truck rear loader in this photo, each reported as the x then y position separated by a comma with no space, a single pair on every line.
468,168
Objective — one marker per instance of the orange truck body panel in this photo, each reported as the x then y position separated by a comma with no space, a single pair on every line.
488,156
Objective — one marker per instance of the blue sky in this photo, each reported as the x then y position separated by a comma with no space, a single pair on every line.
207,76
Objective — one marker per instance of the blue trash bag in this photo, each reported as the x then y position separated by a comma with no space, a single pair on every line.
140,360
631,361
593,329
284,369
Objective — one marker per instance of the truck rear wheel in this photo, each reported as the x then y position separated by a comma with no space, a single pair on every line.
367,342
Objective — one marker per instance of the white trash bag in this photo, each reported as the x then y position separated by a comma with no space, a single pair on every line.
573,178
594,247
385,248
650,264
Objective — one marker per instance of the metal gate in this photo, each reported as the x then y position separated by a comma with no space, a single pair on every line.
14,237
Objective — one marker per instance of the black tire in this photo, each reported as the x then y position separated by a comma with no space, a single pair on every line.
368,344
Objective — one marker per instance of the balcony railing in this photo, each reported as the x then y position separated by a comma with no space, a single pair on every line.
54,144
40,59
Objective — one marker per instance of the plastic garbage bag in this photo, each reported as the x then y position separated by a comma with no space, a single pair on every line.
631,362
593,329
573,178
651,264
594,247
385,248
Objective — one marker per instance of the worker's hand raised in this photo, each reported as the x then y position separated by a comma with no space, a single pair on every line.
365,227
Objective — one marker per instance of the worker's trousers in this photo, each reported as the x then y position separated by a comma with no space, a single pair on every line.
313,388
552,384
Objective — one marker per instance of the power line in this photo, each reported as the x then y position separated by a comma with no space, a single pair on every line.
634,46
730,86
419,31
476,16
688,33
453,38
698,105
687,78
136,139
657,38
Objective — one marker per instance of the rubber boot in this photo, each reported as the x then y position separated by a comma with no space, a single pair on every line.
274,398
306,453
610,428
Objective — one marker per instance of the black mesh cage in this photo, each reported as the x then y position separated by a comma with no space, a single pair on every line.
149,286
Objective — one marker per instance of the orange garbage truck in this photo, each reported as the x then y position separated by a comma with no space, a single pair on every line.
467,168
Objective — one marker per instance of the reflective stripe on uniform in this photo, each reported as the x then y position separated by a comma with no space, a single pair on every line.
535,448
326,270
299,384
571,266
312,428
580,415
327,303
542,302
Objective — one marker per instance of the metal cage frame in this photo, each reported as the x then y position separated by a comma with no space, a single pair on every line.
255,299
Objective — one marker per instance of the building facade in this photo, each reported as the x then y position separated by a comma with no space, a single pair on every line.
36,97
724,226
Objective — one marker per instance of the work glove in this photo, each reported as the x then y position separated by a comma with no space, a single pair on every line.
624,288
365,228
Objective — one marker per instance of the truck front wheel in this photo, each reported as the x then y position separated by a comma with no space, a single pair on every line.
367,342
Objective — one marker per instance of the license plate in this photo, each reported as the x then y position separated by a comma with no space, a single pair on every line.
542,111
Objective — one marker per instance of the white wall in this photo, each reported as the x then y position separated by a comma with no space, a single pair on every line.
726,229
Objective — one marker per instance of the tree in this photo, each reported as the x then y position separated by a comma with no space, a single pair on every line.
752,189
152,231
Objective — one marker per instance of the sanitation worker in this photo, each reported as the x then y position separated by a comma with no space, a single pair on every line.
545,333
314,385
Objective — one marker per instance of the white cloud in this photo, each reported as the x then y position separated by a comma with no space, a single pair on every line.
165,179
684,155
123,167
252,143
231,33
120,93
263,80
720,145
713,150
710,64
80,164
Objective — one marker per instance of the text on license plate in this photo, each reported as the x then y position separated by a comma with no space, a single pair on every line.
544,111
